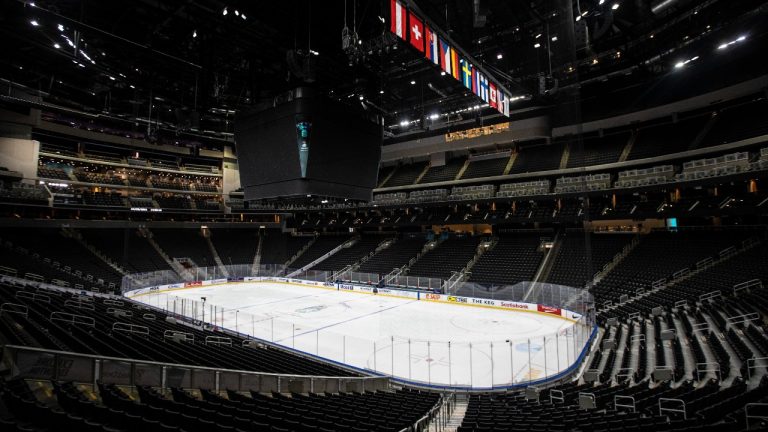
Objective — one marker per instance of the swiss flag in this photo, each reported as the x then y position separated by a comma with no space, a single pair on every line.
493,96
416,32
398,19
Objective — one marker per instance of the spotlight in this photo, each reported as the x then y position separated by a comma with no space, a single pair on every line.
225,12
57,46
34,23
499,56
404,123
194,33
413,82
60,27
536,45
614,6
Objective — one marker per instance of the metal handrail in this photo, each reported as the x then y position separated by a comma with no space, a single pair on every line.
72,318
560,397
79,305
747,285
707,367
181,365
14,308
679,402
218,340
751,364
130,328
444,403
33,296
617,404
748,416
170,334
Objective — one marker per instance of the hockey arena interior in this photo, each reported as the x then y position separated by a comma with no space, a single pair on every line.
384,215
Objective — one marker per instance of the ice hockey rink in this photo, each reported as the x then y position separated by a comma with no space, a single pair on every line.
432,343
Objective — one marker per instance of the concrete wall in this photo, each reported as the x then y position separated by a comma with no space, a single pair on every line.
230,171
20,155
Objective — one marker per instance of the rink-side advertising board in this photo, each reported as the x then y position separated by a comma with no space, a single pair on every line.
385,292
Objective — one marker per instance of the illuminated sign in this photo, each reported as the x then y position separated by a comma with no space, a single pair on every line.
477,132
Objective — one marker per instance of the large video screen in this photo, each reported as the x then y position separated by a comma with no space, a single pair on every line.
308,146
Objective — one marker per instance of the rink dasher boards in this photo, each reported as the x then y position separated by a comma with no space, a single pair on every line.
463,360
383,292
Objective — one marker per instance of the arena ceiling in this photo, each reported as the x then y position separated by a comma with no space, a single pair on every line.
207,58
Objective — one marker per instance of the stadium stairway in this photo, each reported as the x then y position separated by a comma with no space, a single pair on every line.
178,268
301,251
703,132
616,260
483,248
216,257
391,255
325,254
257,257
102,256
441,259
322,247
549,258
457,416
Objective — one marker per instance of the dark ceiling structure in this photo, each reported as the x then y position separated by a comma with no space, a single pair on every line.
190,64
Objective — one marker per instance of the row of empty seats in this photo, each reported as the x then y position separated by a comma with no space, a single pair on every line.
728,164
514,258
446,257
95,332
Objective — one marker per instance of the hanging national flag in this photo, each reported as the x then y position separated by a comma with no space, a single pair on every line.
432,50
397,19
492,96
484,89
445,56
477,84
416,32
455,68
466,73
500,100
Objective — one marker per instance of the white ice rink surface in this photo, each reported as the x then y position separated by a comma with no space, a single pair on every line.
403,337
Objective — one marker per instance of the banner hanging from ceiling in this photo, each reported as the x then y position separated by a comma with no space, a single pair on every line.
415,31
